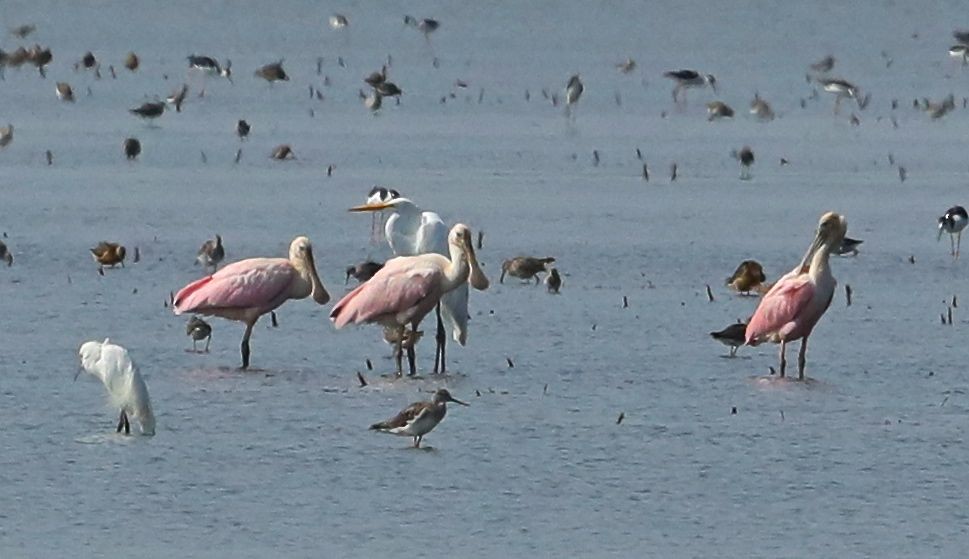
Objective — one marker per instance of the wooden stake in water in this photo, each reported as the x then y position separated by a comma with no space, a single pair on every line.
363,381
848,294
622,415
709,293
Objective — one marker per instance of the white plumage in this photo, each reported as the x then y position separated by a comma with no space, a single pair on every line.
127,390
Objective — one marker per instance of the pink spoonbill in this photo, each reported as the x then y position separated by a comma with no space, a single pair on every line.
791,309
407,288
250,288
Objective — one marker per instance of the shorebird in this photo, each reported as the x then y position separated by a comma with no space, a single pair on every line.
732,336
746,158
841,89
761,109
64,92
177,97
524,267
199,330
961,52
131,61
387,89
283,152
939,110
211,253
793,307
242,129
849,246
272,72
687,79
149,110
5,254
425,26
717,110
747,277
362,271
626,66
373,100
108,254
208,66
573,92
377,77
420,418
824,65
23,31
132,148
961,36
953,222
379,195
6,135
553,281
40,57
87,61
339,21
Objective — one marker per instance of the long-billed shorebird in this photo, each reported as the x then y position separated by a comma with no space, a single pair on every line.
419,418
208,66
525,268
717,110
761,109
732,336
199,330
689,79
210,254
849,247
953,222
841,89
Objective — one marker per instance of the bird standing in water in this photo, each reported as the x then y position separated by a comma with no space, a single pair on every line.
199,330
211,253
128,391
419,418
953,222
573,92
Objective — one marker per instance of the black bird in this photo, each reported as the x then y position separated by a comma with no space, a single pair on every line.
849,246
377,77
732,336
5,254
953,222
387,89
149,110
363,271
132,148
425,26
746,158
88,61
199,330
242,129
553,281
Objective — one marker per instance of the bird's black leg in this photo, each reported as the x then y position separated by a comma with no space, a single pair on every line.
802,359
195,348
127,425
439,366
245,346
399,353
411,352
783,359
120,422
208,340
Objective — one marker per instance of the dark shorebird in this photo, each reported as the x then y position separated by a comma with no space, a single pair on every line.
108,254
377,77
283,152
732,336
961,35
40,57
132,148
149,110
849,247
842,90
242,129
87,61
178,97
746,158
425,26
689,79
131,61
748,276
363,271
824,65
5,254
210,254
553,281
953,222
717,110
6,135
199,330
23,31
573,92
524,267
420,418
64,92
209,66
272,72
761,109
339,21
387,89
961,52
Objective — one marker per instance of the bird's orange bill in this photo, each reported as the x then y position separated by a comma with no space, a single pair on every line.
376,207
477,278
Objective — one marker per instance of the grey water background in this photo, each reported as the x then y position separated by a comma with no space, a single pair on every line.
869,460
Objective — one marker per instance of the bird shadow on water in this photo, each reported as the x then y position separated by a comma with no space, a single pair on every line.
774,382
108,438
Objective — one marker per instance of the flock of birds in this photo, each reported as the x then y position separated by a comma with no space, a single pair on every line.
435,267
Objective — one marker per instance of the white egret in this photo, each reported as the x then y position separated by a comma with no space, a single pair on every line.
128,391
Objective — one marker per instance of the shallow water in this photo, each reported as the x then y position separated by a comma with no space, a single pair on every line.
867,460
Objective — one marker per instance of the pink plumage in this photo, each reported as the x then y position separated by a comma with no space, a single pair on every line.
403,291
781,313
260,284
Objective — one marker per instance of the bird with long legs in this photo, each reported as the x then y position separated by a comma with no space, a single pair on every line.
208,66
793,307
244,291
407,288
689,79
953,222
379,195
419,418
210,254
128,392
411,231
842,90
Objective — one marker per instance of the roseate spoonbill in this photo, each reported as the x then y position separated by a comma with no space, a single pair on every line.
199,330
411,231
732,336
128,391
419,418
108,254
953,222
211,253
791,309
573,92
524,267
248,289
409,287
553,282
748,276
849,247
688,79
362,271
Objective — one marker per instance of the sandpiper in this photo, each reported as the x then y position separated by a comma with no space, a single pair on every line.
425,26
177,97
524,267
363,272
761,109
149,110
211,253
272,72
5,254
824,65
687,79
372,100
420,418
339,21
40,57
64,92
717,110
87,61
953,222
748,276
746,158
132,148
108,254
387,89
282,152
377,77
6,135
841,89
199,330
131,61
553,281
242,129
849,247
732,336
